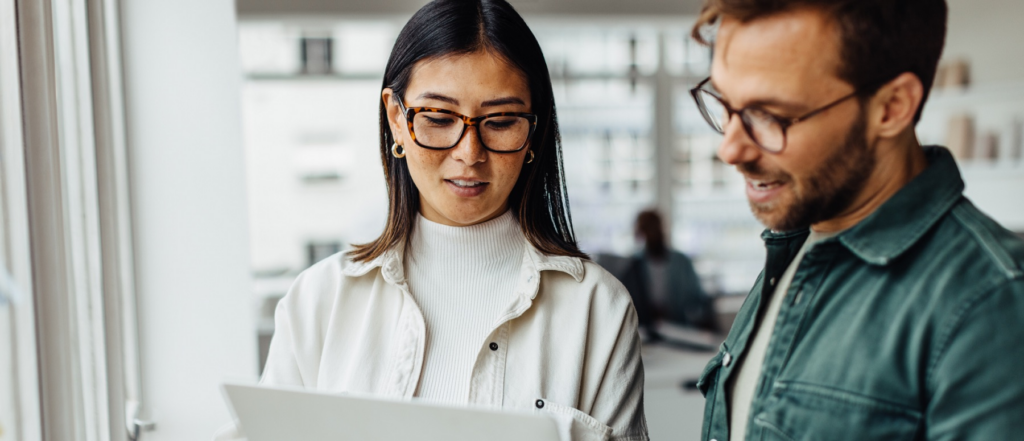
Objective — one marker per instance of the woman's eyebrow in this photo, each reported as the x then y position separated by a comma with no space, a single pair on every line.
489,103
502,101
438,97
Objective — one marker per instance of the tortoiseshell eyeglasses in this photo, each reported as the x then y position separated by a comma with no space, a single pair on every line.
440,129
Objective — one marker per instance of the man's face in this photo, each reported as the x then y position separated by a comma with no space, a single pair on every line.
788,65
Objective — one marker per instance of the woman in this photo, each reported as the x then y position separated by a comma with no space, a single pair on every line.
476,293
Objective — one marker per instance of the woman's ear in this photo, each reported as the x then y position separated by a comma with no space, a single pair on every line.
394,112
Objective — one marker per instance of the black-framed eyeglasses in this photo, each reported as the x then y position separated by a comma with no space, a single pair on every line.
766,129
440,129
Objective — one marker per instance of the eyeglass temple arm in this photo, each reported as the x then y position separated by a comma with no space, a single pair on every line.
815,112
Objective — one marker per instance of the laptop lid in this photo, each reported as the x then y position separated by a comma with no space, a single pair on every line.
274,414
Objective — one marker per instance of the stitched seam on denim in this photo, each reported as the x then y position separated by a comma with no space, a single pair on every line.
767,425
769,236
932,217
709,410
750,322
805,316
968,220
956,322
713,365
848,397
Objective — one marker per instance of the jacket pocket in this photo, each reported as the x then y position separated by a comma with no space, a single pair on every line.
803,411
574,425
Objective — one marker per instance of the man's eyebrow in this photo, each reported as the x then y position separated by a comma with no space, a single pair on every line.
763,102
439,97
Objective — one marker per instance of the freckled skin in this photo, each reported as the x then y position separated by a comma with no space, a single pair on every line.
471,79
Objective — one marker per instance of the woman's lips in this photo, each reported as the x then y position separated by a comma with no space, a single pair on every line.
763,191
466,188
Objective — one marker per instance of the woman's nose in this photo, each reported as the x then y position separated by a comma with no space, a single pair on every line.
469,150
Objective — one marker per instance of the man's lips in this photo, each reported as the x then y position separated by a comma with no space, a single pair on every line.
764,183
763,190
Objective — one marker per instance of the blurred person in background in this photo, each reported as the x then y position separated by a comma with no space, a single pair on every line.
476,293
889,307
664,284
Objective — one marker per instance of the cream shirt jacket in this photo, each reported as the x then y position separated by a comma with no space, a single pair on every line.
566,345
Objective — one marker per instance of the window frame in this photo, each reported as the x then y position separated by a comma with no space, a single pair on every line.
76,325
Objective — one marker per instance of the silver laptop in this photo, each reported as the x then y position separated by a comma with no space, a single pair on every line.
273,414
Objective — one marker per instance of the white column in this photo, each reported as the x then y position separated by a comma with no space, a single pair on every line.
664,139
196,317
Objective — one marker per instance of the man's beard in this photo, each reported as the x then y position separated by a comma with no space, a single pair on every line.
828,191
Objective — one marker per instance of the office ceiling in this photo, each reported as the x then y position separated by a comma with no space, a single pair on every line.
633,8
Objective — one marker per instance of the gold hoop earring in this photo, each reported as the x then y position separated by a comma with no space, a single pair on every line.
395,153
531,156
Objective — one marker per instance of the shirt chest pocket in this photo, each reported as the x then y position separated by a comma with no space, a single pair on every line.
573,424
805,412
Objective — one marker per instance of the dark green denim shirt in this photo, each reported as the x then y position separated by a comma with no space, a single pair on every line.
908,326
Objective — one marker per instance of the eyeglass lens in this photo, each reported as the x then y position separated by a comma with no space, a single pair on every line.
762,127
441,130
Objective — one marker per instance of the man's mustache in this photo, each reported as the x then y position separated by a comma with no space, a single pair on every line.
756,171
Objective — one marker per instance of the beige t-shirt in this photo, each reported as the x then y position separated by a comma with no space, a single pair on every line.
745,381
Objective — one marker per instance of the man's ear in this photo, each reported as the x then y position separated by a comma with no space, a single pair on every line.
894,106
394,112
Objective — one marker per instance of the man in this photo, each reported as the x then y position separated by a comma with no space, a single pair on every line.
663,283
889,306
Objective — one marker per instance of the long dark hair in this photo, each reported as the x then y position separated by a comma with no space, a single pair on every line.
453,27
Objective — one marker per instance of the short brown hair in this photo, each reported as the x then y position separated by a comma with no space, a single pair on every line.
881,39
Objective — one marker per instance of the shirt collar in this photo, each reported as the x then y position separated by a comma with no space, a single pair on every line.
390,264
393,270
573,266
902,220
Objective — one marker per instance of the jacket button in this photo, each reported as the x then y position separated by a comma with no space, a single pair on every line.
727,360
772,281
493,346
540,404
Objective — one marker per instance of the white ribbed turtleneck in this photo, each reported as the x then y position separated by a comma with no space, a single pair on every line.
462,279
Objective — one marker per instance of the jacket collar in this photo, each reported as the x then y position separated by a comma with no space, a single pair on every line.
902,220
393,270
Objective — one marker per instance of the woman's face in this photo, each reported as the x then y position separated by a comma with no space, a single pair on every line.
467,184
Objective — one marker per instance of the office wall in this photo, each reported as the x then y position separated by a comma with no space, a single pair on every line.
616,8
188,193
988,34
